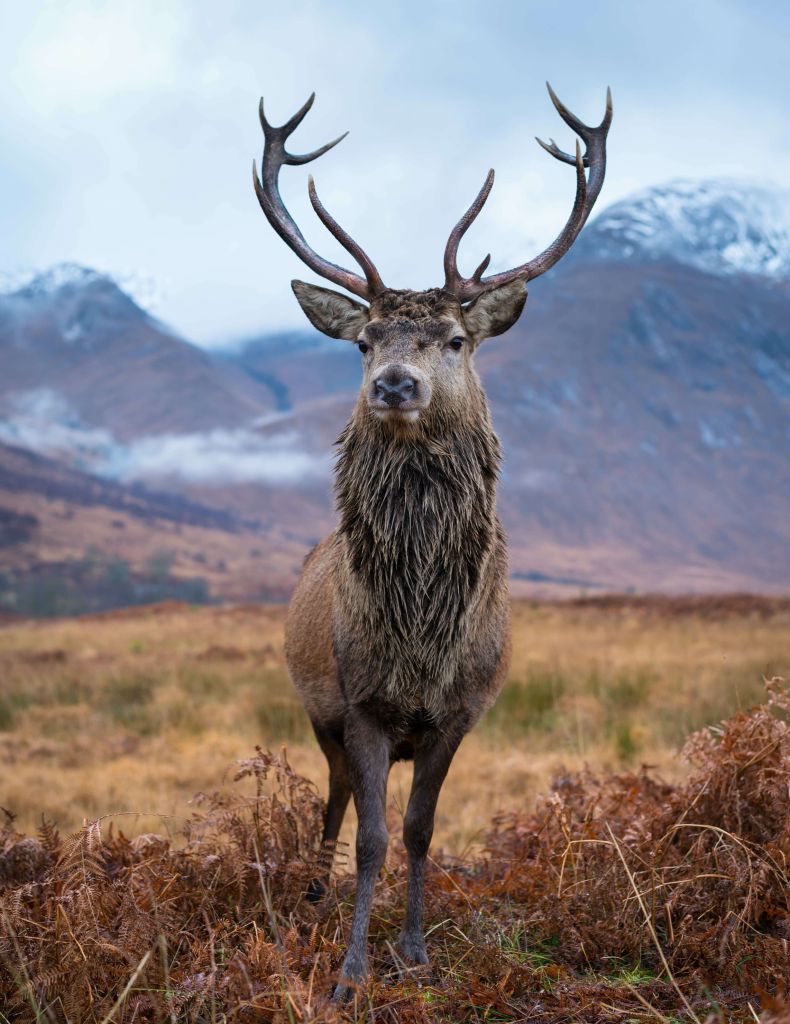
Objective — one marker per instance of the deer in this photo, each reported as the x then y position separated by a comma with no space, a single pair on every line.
398,634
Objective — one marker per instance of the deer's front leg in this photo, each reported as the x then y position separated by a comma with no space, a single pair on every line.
432,757
368,753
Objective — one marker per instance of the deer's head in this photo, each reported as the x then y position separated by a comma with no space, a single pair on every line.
417,346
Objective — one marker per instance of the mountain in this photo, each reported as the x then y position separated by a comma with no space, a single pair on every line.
297,366
719,226
76,348
642,401
644,415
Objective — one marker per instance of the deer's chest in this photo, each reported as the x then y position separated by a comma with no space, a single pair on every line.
417,532
405,606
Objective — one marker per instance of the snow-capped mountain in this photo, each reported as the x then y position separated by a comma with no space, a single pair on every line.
142,290
77,338
718,225
82,309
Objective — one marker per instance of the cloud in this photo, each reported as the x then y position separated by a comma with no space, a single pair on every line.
86,53
237,456
44,421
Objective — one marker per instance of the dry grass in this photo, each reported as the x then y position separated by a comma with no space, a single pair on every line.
138,711
619,897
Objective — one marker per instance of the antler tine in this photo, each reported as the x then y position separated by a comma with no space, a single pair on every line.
277,136
482,268
570,119
586,194
268,193
452,278
293,122
586,133
552,147
345,239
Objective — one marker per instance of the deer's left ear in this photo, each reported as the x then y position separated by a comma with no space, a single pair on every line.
495,312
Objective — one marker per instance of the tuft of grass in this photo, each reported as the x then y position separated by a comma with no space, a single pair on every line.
635,975
528,705
12,704
6,713
516,941
626,745
127,699
282,720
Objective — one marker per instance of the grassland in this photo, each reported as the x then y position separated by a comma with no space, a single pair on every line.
137,711
619,894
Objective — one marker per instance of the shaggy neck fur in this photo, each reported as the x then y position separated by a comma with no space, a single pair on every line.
418,520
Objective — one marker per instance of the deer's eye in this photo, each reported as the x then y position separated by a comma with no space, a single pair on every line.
363,347
456,344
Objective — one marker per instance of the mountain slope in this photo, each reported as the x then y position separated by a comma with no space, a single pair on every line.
644,414
63,531
74,338
297,366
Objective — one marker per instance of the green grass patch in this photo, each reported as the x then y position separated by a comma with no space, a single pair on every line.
624,974
127,700
281,720
529,705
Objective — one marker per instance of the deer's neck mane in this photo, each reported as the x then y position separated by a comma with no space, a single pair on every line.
419,528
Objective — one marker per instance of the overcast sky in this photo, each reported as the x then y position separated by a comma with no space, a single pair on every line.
127,130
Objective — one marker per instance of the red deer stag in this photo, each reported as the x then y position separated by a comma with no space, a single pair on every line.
398,634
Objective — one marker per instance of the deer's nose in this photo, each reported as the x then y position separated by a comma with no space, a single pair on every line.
395,389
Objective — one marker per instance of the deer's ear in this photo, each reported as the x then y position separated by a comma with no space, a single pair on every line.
330,312
495,312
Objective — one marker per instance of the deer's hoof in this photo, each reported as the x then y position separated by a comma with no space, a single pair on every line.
353,975
412,946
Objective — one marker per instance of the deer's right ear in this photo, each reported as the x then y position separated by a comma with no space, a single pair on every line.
330,312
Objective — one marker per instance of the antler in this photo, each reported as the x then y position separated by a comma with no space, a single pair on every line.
268,192
466,288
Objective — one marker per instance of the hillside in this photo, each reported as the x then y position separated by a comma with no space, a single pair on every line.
71,542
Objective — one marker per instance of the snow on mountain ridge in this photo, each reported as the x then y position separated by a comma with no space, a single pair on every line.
47,281
719,225
138,287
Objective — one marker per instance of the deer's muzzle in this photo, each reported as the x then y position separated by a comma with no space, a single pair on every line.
398,387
